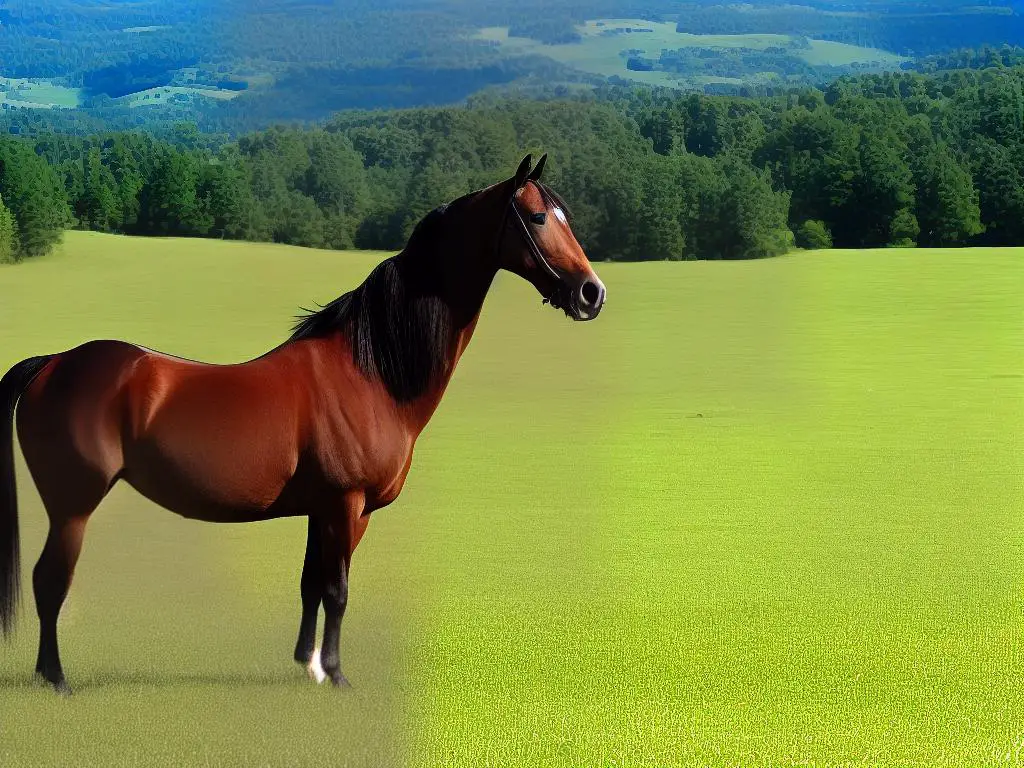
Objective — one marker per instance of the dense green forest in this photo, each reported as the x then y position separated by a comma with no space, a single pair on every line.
892,159
738,63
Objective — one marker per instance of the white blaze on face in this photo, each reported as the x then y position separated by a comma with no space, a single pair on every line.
560,215
316,671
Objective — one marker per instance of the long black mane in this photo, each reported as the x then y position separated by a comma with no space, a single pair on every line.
396,322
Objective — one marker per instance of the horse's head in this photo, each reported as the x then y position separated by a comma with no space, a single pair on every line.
537,244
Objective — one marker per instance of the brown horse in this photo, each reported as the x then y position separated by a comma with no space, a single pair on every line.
322,426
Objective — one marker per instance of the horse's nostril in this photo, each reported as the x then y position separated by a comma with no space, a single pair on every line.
589,293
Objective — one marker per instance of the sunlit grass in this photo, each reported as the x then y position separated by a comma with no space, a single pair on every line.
601,53
758,514
39,93
763,513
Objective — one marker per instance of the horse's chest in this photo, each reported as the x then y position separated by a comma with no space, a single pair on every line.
374,460
380,474
387,491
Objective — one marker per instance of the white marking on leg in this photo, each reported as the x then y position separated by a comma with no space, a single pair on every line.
316,671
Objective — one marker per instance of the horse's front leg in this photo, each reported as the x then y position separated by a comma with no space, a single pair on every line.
340,532
311,585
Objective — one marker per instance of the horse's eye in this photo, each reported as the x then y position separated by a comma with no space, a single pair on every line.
539,218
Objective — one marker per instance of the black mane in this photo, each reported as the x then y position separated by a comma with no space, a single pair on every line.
396,322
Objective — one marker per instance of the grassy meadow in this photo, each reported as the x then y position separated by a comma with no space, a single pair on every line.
38,93
166,93
601,53
762,513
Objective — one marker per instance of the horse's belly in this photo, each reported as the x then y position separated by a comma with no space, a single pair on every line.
211,444
239,485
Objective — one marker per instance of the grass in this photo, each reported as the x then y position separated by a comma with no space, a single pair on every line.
38,94
764,513
166,92
601,54
831,53
150,28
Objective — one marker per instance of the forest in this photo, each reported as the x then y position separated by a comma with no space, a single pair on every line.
895,159
738,63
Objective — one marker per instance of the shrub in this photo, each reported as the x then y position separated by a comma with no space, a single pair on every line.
813,235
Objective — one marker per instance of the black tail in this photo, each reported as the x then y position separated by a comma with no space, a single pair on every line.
12,385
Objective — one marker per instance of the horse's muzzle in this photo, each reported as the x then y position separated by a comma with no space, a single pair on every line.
589,298
582,302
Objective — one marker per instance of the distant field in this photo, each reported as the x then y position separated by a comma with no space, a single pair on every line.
45,95
143,30
766,513
829,53
23,92
601,53
26,93
166,92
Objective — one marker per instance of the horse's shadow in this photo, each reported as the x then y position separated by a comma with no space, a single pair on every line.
139,679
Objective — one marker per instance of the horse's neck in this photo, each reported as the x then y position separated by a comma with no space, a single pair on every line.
469,279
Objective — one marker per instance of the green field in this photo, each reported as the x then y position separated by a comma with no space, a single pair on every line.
166,92
602,54
38,94
143,30
757,514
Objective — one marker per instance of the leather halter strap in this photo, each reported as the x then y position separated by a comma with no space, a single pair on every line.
531,242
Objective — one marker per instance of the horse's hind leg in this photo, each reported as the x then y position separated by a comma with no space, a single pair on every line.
50,581
312,593
70,497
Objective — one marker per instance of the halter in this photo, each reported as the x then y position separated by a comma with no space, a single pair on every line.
528,237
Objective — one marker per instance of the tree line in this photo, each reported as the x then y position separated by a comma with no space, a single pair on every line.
896,159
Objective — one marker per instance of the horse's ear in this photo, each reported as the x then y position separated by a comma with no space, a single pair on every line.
539,169
523,174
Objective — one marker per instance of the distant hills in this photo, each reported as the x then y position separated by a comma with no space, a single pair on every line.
237,64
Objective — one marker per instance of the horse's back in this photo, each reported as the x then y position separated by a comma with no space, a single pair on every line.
291,431
216,442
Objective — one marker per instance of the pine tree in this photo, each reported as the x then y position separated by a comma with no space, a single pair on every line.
35,195
1000,192
660,221
98,207
947,202
9,247
883,187
169,202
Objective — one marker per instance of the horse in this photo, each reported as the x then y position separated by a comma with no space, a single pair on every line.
323,426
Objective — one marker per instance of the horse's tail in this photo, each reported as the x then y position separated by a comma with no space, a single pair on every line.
14,382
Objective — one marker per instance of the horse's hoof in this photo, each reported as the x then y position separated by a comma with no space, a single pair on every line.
315,669
338,680
60,687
